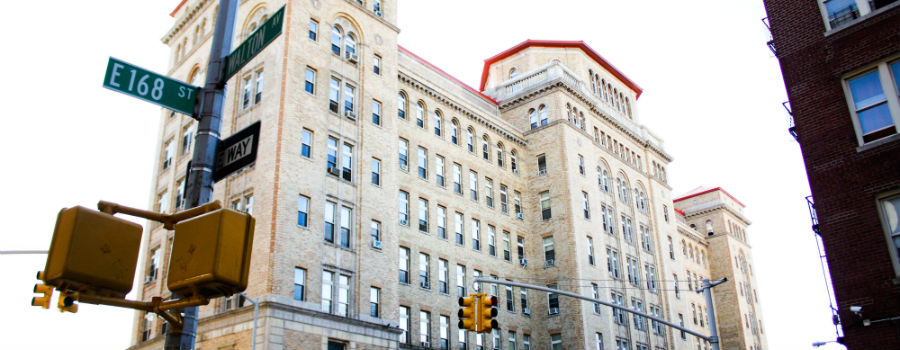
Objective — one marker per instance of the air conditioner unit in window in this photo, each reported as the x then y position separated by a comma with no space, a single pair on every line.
334,171
426,344
526,311
376,244
424,284
148,278
378,13
403,222
551,262
523,262
519,215
542,172
350,114
352,57
554,311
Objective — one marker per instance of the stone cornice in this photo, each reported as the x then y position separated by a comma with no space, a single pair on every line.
188,15
713,206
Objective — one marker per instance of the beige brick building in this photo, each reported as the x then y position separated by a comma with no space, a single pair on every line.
384,185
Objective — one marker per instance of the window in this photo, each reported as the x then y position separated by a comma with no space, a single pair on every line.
627,229
445,332
461,338
517,200
310,83
299,283
375,230
841,12
510,299
523,297
349,98
162,203
545,205
437,123
179,196
347,162
147,325
542,164
553,301
603,178
346,214
329,222
485,148
404,265
457,179
645,239
470,140
443,276
376,64
619,315
640,322
302,210
599,341
492,241
423,215
376,172
461,281
313,29
420,115
404,324
376,112
454,132
439,170
500,155
306,143
403,204
512,162
473,185
442,222
612,263
259,87
334,92
520,248
533,118
622,344
374,301
169,153
511,338
424,267
401,106
336,36
609,219
507,255
889,208
332,156
581,165
681,323
666,213
377,7
153,268
634,271
489,192
504,205
187,139
458,225
556,341
403,154
656,326
595,289
327,290
585,205
476,236
526,342
871,94
590,246
542,110
423,163
549,253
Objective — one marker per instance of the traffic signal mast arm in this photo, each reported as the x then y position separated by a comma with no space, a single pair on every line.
168,220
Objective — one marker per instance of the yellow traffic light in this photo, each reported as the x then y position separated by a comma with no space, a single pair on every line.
211,254
467,312
43,301
487,310
67,302
92,249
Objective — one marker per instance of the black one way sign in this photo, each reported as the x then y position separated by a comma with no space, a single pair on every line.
236,152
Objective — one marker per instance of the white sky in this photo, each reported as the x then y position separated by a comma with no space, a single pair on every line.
712,91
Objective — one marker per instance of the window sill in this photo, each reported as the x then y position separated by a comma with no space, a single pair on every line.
860,19
879,142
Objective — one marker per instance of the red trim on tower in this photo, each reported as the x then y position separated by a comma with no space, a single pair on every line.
177,8
446,74
708,191
557,43
679,212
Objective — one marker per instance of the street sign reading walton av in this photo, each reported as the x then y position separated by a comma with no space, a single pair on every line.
257,41
151,87
236,152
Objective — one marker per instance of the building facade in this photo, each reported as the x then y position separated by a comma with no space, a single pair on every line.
841,67
383,186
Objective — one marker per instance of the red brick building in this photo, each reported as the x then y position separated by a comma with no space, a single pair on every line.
841,65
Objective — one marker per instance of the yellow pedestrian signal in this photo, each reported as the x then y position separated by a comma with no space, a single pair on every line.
44,289
467,312
487,310
67,302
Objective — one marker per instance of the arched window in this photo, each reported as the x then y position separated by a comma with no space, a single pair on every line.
603,178
624,189
593,83
420,114
470,139
542,111
691,250
196,37
350,43
603,93
569,113
438,122
454,132
194,77
683,248
628,107
178,53
533,118
184,46
512,162
580,122
401,105
513,73
500,154
485,147
336,35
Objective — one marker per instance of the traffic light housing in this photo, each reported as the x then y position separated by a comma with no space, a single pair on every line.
467,313
67,301
43,301
487,312
91,249
211,254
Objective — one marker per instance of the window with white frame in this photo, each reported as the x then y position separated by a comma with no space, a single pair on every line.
420,114
401,105
489,192
404,265
504,200
439,170
556,341
376,64
517,202
890,219
585,205
437,123
874,103
306,137
404,324
299,283
443,276
590,250
461,281
422,163
458,228
376,171
838,13
619,315
375,231
424,268
423,215
553,301
303,210
473,185
457,178
403,205
442,222
595,289
313,30
492,240
403,155
310,84
507,246
153,266
374,301
476,235
470,140
549,251
376,112
546,212
612,263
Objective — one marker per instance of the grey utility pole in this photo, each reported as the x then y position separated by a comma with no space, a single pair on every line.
712,339
199,190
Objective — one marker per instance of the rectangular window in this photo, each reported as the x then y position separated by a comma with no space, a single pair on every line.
507,255
327,290
329,222
556,341
523,298
457,179
302,211
403,205
612,262
596,295
681,323
310,84
404,265
581,165
542,164
520,248
187,139
495,338
889,208
403,148
438,123
510,299
461,281
619,315
609,219
313,29
657,326
376,172
259,87
162,203
585,205
634,271
443,276
549,253
245,101
169,153
423,215
332,157
445,332
424,268
424,328
870,95
489,192
590,246
640,322
306,143
461,339
404,324
504,205
346,214
153,268
347,162
334,92
599,340
375,232
376,112
439,170
511,337
553,301
627,229
374,301
671,248
476,235
179,196
376,64
423,163
650,272
442,222
517,201
546,214
299,283
492,240
473,185
622,344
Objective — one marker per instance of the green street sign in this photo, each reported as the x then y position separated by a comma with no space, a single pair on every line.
257,41
151,87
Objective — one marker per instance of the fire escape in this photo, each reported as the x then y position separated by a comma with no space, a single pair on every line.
823,261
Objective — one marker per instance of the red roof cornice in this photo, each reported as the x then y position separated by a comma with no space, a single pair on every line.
177,8
420,59
708,191
556,43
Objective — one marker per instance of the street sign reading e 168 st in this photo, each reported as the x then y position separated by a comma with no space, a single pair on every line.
151,87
